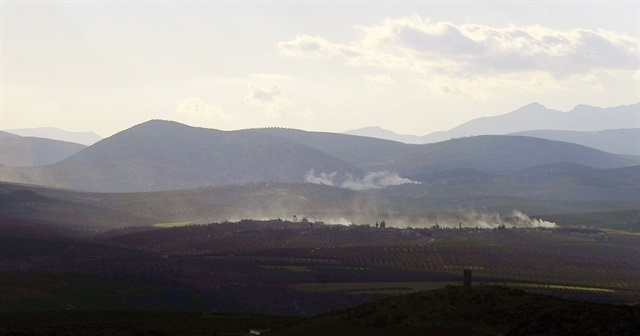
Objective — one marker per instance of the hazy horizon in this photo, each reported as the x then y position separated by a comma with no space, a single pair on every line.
412,68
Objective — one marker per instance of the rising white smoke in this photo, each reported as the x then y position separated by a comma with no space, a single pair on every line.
485,220
322,178
374,180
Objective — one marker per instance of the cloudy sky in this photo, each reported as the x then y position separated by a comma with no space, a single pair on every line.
412,68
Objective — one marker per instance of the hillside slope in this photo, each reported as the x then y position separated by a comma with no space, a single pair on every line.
381,133
163,155
18,151
85,138
617,141
472,311
489,153
536,117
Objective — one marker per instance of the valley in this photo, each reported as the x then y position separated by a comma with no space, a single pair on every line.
283,229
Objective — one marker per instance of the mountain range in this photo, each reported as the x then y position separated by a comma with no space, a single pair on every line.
84,138
532,117
619,141
163,155
19,151
496,172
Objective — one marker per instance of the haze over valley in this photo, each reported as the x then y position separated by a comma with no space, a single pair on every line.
319,168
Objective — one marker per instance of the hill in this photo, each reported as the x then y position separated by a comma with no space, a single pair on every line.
451,196
380,133
32,211
85,138
489,153
536,117
472,311
618,141
556,182
18,151
492,153
163,155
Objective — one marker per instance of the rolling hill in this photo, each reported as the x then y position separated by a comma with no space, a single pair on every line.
556,182
493,153
163,155
444,195
489,153
532,117
381,133
472,311
85,138
19,151
536,117
617,141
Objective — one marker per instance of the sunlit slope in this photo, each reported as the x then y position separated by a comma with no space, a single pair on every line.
162,155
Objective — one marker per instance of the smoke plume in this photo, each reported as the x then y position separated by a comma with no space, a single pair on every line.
373,180
491,220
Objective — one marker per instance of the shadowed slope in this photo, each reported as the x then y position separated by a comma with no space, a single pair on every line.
473,311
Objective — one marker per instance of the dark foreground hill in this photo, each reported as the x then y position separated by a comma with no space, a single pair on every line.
458,311
473,311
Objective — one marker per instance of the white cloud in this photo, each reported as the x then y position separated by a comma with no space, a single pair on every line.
269,100
468,59
198,107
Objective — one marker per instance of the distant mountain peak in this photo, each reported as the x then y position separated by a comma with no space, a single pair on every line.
534,105
381,133
536,116
54,133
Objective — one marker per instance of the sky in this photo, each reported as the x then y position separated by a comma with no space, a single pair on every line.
409,67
